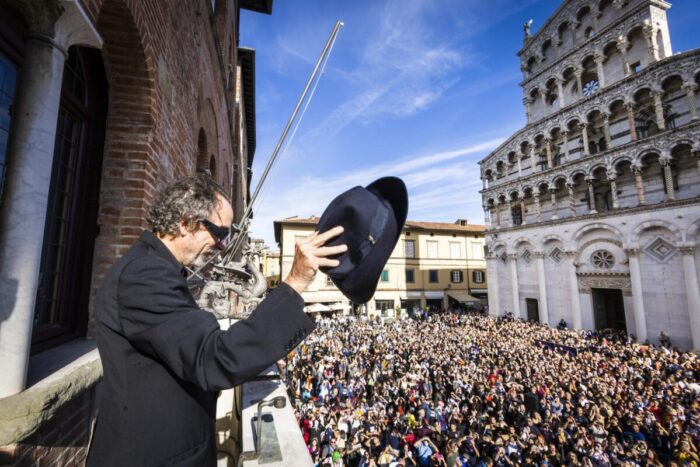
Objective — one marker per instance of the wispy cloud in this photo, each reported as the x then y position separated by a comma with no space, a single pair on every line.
442,186
402,70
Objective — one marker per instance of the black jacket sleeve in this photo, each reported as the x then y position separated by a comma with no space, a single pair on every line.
161,319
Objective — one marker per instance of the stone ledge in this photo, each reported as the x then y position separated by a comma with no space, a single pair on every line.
76,367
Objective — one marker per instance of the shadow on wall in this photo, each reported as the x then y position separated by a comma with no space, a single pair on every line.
8,293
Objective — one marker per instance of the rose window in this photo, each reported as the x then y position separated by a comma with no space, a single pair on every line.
602,259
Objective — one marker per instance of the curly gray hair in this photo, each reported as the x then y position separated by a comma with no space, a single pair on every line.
189,199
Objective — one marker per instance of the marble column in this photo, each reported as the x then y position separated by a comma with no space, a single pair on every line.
631,121
622,46
560,91
652,46
613,190
493,288
538,208
640,321
668,178
565,135
639,184
498,215
487,217
692,293
514,281
541,282
584,136
572,200
690,89
591,196
30,152
543,98
510,213
553,195
521,197
599,58
579,83
528,111
659,110
520,166
548,148
606,130
573,290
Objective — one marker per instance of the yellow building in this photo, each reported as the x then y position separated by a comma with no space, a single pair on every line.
271,268
436,264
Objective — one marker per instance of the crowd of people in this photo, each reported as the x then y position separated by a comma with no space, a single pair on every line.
459,389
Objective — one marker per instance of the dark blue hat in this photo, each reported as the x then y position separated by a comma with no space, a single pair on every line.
372,219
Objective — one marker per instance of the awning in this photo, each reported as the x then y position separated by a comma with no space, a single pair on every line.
327,296
462,297
316,308
433,295
473,291
413,294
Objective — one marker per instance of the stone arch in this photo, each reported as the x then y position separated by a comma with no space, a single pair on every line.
558,178
655,223
645,153
550,238
131,116
692,232
578,171
595,167
622,159
209,122
593,226
520,241
202,150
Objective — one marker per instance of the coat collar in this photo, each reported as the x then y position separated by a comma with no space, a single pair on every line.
161,250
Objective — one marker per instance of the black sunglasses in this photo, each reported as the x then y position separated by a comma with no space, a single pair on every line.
221,234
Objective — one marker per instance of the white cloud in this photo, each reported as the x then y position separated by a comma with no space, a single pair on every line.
442,186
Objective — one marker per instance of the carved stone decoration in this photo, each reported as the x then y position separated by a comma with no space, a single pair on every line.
503,257
660,249
526,255
556,255
602,259
604,281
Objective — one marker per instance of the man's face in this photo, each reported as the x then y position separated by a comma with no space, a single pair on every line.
202,243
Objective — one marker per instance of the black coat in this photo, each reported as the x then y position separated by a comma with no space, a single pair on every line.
165,360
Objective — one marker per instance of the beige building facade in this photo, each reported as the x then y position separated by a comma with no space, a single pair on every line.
434,264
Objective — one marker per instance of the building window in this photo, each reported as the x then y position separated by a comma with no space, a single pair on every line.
70,230
455,250
410,276
409,248
8,80
432,249
385,276
384,306
636,67
477,251
478,276
329,282
433,276
456,276
517,215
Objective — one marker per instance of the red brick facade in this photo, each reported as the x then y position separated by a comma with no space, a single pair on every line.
171,76
61,441
171,94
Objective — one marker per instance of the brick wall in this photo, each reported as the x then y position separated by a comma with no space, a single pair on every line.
61,441
168,68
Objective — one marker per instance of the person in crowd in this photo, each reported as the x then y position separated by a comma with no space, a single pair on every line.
463,389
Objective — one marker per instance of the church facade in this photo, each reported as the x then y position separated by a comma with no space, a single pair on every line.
593,208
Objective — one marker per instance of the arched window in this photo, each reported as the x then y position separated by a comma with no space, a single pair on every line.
71,215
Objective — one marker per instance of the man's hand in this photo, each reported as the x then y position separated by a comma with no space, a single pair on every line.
310,254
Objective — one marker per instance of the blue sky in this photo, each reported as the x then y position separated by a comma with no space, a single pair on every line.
420,89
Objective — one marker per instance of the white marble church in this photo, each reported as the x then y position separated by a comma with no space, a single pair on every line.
593,208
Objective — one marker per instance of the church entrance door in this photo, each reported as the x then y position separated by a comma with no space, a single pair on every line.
608,309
